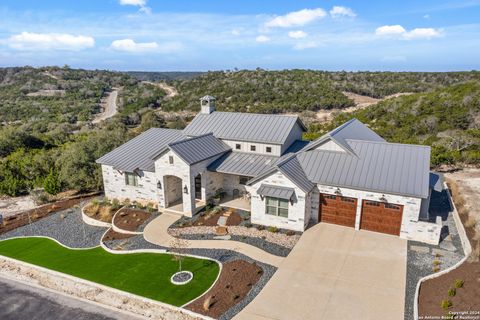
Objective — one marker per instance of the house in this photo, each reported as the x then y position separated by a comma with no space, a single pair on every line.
257,162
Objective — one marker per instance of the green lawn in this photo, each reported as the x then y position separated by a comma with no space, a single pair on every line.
144,274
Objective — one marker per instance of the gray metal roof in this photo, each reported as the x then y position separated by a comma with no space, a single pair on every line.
292,169
352,129
242,163
137,152
194,150
263,128
378,166
276,192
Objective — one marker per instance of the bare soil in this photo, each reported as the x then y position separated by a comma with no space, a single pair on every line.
465,189
130,219
211,219
113,235
234,283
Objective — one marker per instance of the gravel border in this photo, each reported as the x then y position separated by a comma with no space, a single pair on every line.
420,264
267,246
66,226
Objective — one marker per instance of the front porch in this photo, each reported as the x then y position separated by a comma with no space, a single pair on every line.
241,202
177,206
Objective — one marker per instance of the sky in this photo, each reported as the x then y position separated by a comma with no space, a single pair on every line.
201,35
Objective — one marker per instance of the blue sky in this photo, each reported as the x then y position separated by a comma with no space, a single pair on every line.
165,35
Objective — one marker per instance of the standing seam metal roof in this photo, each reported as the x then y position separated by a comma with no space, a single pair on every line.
243,163
262,128
137,152
276,191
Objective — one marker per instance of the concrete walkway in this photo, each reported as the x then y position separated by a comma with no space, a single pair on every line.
334,273
156,232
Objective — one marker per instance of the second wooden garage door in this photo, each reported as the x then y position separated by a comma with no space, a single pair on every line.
381,217
338,210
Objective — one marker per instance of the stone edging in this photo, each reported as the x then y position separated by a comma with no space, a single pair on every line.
180,283
120,230
467,249
93,222
93,287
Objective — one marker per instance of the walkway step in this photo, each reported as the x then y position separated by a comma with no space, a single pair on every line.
221,231
225,237
222,221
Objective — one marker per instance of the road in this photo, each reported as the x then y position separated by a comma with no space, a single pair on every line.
171,91
19,301
109,107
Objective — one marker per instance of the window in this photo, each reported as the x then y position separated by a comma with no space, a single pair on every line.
268,149
170,159
238,146
131,179
243,180
391,206
329,196
372,203
345,199
253,148
277,207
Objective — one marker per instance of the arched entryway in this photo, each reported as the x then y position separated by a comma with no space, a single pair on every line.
173,191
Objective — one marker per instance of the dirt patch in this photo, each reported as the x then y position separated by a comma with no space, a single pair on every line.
210,219
12,205
130,219
100,212
465,189
24,218
113,235
47,93
234,283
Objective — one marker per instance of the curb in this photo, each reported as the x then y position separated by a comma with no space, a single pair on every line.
467,249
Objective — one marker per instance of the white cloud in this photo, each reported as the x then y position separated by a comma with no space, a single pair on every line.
427,16
49,41
305,45
139,3
414,34
262,39
128,45
297,18
390,30
236,32
339,11
297,34
422,33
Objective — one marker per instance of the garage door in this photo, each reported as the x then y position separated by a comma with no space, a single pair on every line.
338,210
381,217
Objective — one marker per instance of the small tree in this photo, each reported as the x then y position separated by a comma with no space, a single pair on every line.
178,247
51,184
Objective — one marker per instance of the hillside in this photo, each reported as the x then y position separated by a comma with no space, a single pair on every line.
448,119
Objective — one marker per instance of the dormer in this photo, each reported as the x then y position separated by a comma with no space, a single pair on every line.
207,104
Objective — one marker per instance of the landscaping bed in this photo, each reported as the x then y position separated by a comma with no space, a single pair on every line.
131,219
235,281
210,218
144,274
101,210
112,235
436,297
21,219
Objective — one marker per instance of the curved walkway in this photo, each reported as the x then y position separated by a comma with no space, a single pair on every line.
156,232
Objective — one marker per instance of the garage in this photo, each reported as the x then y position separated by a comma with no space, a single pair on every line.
337,210
381,217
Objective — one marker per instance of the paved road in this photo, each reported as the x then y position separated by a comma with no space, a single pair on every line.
336,273
110,107
19,301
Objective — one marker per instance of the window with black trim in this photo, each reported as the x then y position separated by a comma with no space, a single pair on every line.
268,149
329,196
372,203
238,146
346,199
253,148
243,180
170,159
391,206
131,179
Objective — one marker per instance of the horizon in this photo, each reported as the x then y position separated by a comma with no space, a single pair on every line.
173,36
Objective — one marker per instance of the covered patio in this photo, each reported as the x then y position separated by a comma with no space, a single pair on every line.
240,202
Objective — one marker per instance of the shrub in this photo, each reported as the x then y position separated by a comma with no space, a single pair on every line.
248,225
436,262
459,283
290,233
51,184
446,304
452,292
126,202
150,207
436,268
115,204
95,202
273,229
260,227
135,204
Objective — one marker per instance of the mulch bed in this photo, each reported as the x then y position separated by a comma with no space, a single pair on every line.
211,220
131,219
40,212
113,235
234,283
467,298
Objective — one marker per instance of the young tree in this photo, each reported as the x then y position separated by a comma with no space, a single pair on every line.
51,183
178,247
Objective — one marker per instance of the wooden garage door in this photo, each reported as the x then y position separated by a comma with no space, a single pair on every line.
338,210
381,217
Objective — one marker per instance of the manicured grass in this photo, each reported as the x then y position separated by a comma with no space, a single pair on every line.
144,274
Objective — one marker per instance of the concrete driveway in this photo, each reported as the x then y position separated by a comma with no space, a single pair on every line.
336,272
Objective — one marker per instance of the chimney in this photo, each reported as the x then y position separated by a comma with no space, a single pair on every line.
208,104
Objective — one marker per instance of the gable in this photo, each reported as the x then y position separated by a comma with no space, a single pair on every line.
329,145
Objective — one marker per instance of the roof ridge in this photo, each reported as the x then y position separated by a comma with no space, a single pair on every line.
341,127
395,143
190,139
259,114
